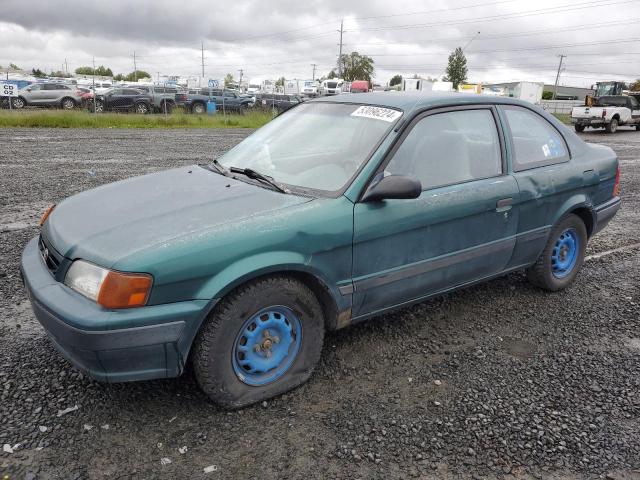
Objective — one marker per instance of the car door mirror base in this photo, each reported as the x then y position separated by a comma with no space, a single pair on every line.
393,187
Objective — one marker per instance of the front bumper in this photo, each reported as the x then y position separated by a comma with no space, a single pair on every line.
111,345
605,212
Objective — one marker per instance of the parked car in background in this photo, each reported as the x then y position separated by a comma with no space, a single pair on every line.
225,100
337,211
608,112
163,97
331,86
122,99
48,95
360,86
277,102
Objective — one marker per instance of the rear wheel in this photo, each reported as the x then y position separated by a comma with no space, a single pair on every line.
98,106
18,102
198,108
167,107
68,103
579,128
562,257
612,126
264,339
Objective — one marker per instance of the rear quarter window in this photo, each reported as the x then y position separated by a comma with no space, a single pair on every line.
535,141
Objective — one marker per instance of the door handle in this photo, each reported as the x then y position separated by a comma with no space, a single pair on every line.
504,204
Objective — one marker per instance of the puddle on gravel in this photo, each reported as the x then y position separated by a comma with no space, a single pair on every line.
519,348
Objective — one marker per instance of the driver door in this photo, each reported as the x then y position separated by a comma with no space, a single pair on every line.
462,227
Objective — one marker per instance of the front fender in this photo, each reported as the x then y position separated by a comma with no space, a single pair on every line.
262,264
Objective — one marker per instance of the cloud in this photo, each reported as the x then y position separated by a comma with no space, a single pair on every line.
518,40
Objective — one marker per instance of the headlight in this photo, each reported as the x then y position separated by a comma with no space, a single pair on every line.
108,288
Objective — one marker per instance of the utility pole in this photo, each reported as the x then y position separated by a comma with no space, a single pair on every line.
135,68
66,65
240,81
313,75
555,87
158,74
340,51
202,52
95,101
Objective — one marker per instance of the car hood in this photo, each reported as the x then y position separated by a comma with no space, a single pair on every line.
111,222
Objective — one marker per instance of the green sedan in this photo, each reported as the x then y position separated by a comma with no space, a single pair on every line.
339,210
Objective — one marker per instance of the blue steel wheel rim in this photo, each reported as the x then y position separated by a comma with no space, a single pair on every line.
565,253
267,345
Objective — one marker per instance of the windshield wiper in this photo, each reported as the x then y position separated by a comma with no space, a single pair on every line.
250,173
217,167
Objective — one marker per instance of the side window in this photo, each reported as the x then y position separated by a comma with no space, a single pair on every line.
536,142
35,87
451,147
51,86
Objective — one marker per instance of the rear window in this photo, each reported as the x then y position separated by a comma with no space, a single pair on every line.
536,142
611,102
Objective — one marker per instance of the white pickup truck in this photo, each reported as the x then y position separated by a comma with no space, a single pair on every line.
608,112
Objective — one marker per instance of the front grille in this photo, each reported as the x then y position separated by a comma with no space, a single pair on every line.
51,258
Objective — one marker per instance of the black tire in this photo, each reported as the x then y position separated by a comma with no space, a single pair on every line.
97,106
612,126
638,127
166,107
141,108
198,108
214,347
19,103
579,128
541,273
67,103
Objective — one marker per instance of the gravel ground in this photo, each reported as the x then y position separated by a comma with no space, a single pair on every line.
497,381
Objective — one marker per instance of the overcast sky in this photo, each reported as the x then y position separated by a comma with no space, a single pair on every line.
518,40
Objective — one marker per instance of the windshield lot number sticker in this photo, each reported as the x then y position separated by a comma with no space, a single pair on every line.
379,113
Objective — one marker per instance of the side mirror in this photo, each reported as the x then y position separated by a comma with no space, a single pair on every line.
393,187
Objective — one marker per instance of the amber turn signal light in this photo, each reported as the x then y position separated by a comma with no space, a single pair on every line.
46,214
124,290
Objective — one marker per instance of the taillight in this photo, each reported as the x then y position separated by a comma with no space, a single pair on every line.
616,184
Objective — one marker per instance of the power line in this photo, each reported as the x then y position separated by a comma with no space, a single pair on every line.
424,12
541,11
614,23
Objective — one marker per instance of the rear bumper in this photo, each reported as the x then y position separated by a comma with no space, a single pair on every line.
605,212
111,345
590,122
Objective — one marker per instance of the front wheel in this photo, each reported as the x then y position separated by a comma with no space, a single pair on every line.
142,108
18,103
612,126
562,257
97,107
264,339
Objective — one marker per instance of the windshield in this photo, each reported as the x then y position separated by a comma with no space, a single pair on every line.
317,146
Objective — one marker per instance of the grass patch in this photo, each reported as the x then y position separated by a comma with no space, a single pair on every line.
83,119
563,117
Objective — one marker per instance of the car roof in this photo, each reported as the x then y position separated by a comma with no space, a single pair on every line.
410,101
